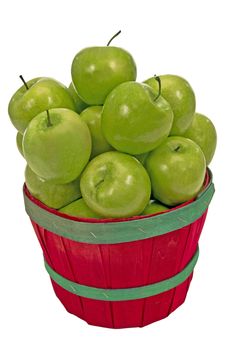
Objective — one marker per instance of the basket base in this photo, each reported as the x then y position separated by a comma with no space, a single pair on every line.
124,314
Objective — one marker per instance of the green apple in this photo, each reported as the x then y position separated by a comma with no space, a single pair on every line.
177,170
96,71
57,145
92,117
79,208
36,96
52,195
202,131
178,92
134,119
80,105
115,185
154,207
19,140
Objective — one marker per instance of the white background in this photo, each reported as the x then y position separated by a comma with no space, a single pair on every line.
193,39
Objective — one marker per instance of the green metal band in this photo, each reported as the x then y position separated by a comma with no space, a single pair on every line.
123,293
118,232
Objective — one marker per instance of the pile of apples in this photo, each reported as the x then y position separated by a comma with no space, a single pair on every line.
108,146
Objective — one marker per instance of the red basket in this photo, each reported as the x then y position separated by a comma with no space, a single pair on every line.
123,272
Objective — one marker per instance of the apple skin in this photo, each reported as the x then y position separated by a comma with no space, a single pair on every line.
19,140
177,170
203,133
52,195
133,121
43,94
92,117
80,209
80,105
57,153
154,207
178,92
115,185
96,71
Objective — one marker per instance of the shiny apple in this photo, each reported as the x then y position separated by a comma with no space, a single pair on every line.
202,131
96,71
57,145
36,96
179,93
154,207
115,185
79,103
80,209
177,170
19,141
134,119
52,195
92,117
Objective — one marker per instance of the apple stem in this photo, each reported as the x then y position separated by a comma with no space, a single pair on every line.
157,78
177,149
48,119
114,36
25,84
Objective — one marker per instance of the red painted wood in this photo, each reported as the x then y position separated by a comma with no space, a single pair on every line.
122,265
122,314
